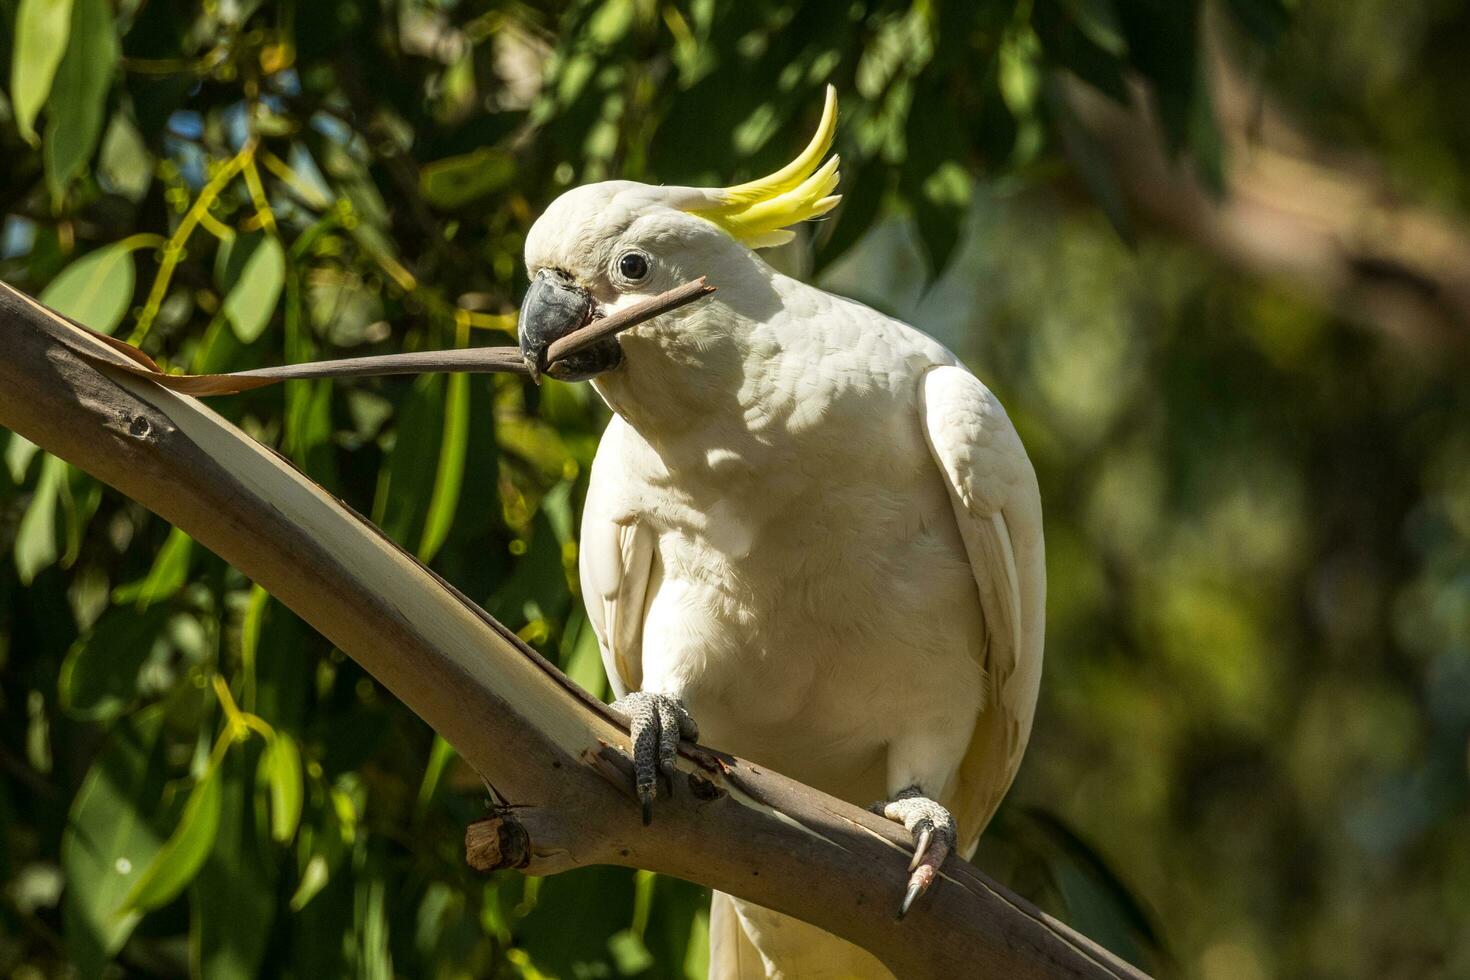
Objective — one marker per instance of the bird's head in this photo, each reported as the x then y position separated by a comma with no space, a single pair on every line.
602,246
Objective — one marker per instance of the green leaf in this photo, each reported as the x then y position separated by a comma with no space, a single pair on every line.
169,574
939,210
125,166
409,476
99,677
374,957
856,213
41,30
109,838
449,475
252,270
1019,71
629,953
18,455
322,848
1099,904
441,753
581,657
280,768
314,878
96,289
456,181
78,97
1084,37
181,857
233,898
35,540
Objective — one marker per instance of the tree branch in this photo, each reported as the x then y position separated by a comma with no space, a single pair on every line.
555,756
1291,210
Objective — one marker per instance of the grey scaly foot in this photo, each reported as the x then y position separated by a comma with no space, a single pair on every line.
656,722
934,837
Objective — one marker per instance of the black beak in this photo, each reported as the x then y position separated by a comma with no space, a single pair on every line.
555,306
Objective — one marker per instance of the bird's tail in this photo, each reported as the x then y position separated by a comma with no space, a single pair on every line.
747,942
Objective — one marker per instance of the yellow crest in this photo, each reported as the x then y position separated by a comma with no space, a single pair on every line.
759,213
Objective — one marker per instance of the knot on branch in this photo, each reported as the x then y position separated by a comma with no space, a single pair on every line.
496,842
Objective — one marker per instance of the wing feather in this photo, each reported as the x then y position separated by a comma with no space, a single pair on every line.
998,508
615,564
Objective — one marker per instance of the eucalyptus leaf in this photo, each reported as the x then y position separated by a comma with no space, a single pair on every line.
412,463
78,96
449,473
252,270
19,452
456,181
109,838
182,855
96,289
232,900
124,167
36,545
99,676
42,28
168,575
280,767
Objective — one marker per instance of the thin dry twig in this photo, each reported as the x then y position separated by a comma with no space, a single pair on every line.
474,360
557,757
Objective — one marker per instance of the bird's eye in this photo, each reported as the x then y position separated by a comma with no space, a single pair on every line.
633,266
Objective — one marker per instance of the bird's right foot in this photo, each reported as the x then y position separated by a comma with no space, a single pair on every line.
656,722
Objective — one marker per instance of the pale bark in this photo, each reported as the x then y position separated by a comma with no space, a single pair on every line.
552,752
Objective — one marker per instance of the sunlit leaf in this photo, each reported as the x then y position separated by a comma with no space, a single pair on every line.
629,953
321,847
41,31
109,839
96,289
35,540
581,657
19,452
449,473
252,270
374,958
78,97
125,166
313,879
441,753
168,575
280,765
182,855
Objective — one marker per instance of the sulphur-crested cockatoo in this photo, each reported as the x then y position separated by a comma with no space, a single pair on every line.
809,528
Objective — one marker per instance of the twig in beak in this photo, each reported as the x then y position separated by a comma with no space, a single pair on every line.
473,360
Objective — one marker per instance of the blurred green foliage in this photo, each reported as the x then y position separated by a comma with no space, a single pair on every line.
1250,758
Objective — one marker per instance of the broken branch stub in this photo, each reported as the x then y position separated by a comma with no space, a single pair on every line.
555,756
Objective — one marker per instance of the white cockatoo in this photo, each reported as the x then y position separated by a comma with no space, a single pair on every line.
809,528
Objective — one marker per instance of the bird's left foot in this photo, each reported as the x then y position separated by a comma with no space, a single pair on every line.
656,722
934,837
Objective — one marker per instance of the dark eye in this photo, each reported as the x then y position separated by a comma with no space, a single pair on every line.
633,266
